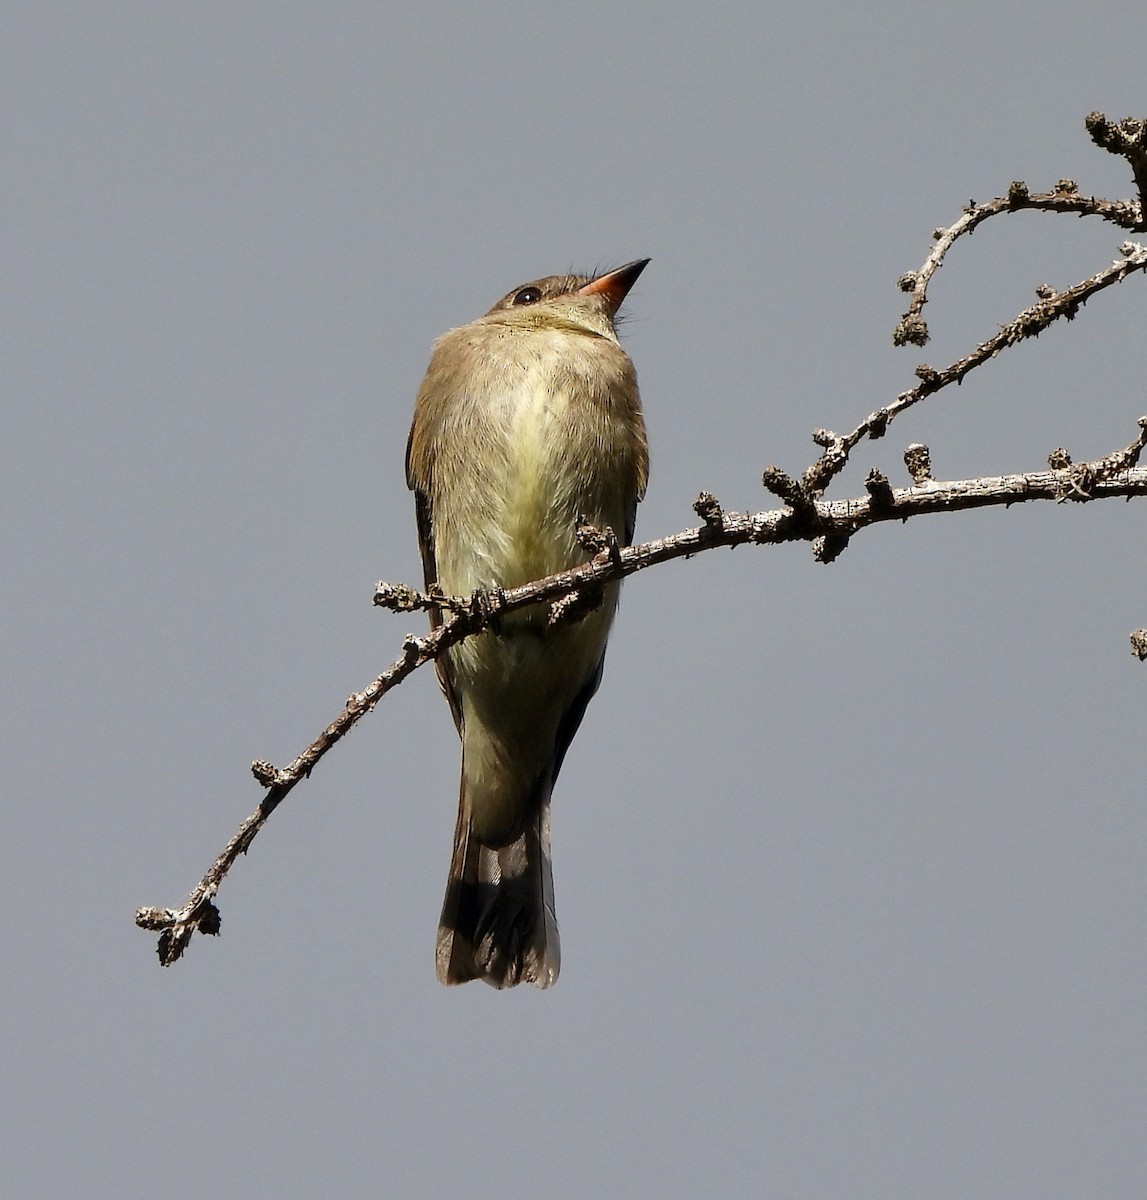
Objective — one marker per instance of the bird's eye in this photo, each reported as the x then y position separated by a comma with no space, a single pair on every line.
528,295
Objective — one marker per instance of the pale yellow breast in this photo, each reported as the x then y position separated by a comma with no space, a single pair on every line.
527,470
538,488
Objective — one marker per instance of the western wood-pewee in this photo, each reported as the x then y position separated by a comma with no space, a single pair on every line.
528,419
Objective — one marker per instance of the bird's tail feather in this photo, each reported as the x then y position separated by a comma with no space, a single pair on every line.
498,922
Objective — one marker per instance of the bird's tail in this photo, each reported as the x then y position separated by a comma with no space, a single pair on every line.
498,921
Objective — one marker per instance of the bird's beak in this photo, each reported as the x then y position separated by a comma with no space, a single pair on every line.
614,285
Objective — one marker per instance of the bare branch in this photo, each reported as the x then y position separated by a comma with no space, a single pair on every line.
828,525
1063,198
1029,323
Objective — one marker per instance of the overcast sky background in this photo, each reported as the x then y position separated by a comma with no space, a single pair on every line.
849,860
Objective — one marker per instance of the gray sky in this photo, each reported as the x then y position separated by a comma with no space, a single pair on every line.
849,860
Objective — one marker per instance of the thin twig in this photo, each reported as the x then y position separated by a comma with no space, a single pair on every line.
1029,323
1064,198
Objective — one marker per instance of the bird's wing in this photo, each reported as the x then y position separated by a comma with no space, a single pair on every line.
418,479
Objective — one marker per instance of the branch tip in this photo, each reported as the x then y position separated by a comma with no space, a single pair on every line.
707,507
575,605
828,547
1139,643
912,331
266,774
596,540
781,484
398,597
210,920
154,918
829,465
918,460
878,488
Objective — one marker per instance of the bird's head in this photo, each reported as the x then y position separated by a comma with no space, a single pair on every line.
582,303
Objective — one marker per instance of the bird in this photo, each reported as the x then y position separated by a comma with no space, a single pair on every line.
528,422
